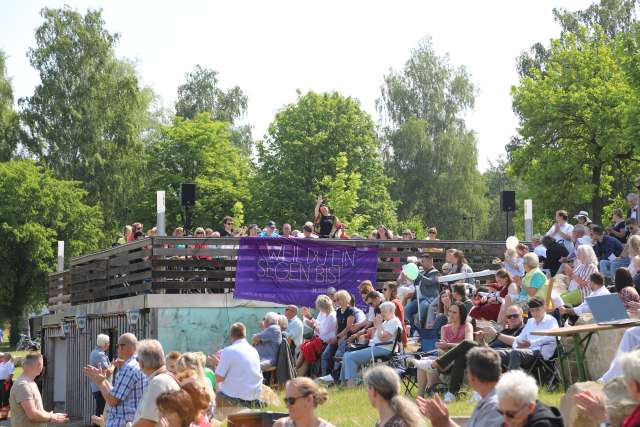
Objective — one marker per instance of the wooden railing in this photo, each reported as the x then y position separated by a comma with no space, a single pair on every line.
173,265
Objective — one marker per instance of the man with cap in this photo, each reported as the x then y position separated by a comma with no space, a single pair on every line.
270,230
583,218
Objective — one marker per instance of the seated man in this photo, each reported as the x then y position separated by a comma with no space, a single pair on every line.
607,249
238,374
373,300
596,284
268,341
295,328
505,338
630,341
526,347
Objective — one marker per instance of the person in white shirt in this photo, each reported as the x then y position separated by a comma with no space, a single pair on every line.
295,328
596,283
387,326
527,346
7,369
325,327
561,230
151,360
238,373
538,247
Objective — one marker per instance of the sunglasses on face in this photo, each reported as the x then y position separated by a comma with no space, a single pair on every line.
290,401
512,316
385,289
509,414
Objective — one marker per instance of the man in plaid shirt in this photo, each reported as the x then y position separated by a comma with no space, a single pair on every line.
125,393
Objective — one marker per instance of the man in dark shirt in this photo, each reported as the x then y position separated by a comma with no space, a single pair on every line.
227,224
555,251
426,285
513,327
607,249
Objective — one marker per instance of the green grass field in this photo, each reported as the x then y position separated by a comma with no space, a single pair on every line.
350,407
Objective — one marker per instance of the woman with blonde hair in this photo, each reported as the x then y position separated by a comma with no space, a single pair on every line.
302,397
633,243
193,363
325,330
384,389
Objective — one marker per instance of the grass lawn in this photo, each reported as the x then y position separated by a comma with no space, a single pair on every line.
350,407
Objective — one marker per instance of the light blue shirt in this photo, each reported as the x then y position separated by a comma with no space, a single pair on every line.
296,331
100,360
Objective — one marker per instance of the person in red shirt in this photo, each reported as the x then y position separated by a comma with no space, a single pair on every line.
595,405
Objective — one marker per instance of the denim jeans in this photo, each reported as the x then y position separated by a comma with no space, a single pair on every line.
326,363
608,268
411,309
354,359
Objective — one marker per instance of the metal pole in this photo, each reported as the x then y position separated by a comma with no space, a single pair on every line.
60,267
528,219
160,210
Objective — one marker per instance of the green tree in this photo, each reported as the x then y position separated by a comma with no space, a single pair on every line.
429,153
9,123
572,123
342,189
38,209
198,151
300,150
86,117
200,93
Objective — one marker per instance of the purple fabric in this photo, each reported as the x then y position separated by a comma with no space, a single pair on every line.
296,271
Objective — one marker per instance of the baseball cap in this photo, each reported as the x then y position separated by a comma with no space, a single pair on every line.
271,224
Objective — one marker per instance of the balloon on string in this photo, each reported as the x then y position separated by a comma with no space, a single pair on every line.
411,271
512,242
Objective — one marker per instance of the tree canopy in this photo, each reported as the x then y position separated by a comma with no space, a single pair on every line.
429,154
86,117
303,145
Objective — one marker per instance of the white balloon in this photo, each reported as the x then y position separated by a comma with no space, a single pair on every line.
512,242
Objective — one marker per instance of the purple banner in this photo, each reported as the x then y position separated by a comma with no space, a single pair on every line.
296,271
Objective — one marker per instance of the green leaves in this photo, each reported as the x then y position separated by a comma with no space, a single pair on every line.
86,117
574,119
428,152
302,149
38,210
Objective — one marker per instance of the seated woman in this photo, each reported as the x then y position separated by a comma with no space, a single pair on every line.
387,326
302,397
534,282
625,287
453,333
346,318
492,306
390,292
586,264
324,328
442,305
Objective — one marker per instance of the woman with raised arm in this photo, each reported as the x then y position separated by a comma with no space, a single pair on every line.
325,223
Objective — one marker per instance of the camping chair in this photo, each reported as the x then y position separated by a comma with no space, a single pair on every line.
546,372
285,367
396,349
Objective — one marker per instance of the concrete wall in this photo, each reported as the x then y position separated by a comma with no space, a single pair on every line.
204,329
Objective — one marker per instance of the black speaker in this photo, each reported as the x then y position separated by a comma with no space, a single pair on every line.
187,194
508,201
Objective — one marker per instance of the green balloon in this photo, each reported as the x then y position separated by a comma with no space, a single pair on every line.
411,271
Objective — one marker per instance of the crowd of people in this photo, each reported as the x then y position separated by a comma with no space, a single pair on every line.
325,225
487,331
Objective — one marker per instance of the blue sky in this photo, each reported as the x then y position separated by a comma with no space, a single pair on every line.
272,48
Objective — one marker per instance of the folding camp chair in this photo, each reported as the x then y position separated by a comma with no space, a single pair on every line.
546,372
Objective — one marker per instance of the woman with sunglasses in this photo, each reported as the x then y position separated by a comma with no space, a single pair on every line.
394,410
518,402
302,397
